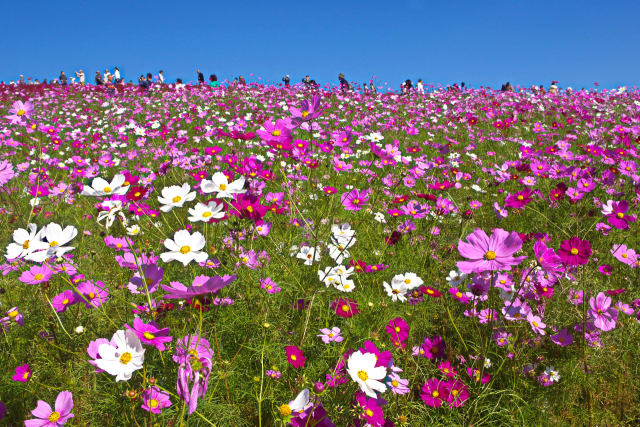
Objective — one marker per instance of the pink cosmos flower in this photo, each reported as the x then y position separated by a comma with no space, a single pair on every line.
562,338
154,400
355,199
36,274
604,316
536,323
489,253
458,393
398,330
331,335
45,416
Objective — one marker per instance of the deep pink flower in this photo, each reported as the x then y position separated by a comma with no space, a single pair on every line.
23,373
398,330
154,400
150,333
295,357
45,416
345,307
434,392
458,393
575,251
355,199
489,253
618,217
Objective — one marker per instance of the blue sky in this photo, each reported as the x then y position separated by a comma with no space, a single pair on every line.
480,42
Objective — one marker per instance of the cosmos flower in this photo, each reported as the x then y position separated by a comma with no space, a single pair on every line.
219,184
295,357
185,247
122,356
575,251
363,370
489,253
175,196
154,400
100,187
45,416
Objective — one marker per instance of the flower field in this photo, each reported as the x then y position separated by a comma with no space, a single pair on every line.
253,255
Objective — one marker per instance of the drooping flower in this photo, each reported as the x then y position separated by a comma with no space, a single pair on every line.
489,253
202,285
193,379
45,416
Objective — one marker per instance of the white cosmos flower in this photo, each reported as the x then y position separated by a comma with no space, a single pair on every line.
56,239
300,402
219,183
338,252
396,291
338,276
343,233
175,196
362,369
410,280
202,212
309,254
100,187
185,247
109,216
134,230
122,356
25,242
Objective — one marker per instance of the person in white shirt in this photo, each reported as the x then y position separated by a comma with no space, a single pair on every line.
107,74
420,87
116,75
80,76
160,77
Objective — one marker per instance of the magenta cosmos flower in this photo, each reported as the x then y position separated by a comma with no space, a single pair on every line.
150,333
489,253
23,373
434,392
575,251
618,217
295,357
51,418
154,400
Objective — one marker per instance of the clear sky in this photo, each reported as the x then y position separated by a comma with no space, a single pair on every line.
480,42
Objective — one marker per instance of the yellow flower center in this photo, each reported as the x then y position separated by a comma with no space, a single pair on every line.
305,113
395,383
520,197
459,294
363,375
176,199
369,413
356,201
26,375
148,335
535,324
125,358
55,416
21,112
620,215
137,194
54,243
185,249
454,392
107,190
574,251
206,214
331,335
148,281
435,393
345,308
91,295
38,276
625,255
118,245
25,245
250,209
490,255
65,301
13,314
276,132
293,357
285,410
153,403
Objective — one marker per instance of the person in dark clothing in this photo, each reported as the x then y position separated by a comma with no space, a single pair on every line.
408,85
143,83
63,78
200,77
372,88
344,84
306,80
99,81
287,80
241,81
149,79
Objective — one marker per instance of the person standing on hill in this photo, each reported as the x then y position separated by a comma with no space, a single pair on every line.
116,76
420,87
63,78
344,84
287,80
80,76
200,77
241,81
213,81
98,79
160,77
